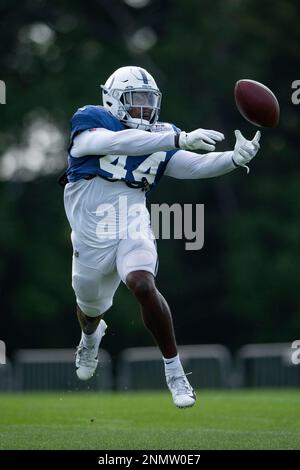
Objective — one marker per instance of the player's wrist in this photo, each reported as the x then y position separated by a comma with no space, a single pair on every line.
176,140
234,162
183,141
240,162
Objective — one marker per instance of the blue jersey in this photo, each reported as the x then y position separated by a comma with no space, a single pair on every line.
131,169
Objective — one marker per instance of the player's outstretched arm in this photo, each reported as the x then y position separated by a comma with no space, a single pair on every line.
133,142
137,142
190,165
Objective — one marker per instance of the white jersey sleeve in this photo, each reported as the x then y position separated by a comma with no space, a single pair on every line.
133,142
190,165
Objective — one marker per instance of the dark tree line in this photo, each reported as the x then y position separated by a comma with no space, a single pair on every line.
243,285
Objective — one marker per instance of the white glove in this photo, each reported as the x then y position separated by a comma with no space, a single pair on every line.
245,150
200,139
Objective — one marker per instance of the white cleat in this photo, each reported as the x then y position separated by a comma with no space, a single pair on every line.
183,393
87,358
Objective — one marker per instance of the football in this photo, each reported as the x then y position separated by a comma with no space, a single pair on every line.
256,103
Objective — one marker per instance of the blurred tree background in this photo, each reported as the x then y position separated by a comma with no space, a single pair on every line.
243,286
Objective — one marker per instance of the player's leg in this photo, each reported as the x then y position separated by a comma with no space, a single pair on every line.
136,263
94,276
94,294
155,311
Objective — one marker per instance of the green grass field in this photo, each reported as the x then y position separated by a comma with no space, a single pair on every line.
219,420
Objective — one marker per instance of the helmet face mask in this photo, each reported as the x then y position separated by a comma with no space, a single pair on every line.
142,107
133,97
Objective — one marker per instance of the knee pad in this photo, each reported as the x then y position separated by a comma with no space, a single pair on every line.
87,285
137,260
85,288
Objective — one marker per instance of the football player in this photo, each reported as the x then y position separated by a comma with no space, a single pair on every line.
121,150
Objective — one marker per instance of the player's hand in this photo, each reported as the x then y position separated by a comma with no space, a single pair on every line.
200,139
245,150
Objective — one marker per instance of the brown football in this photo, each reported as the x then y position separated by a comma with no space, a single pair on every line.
256,103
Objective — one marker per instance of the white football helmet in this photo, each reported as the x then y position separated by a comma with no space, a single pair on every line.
133,97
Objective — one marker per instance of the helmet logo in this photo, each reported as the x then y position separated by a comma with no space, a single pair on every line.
144,76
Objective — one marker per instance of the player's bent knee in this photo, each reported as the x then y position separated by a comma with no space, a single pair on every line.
141,283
